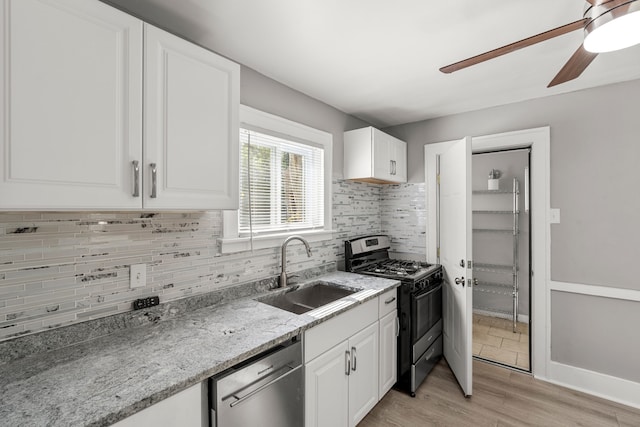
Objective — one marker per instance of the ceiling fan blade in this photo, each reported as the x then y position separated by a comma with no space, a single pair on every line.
564,29
578,62
597,2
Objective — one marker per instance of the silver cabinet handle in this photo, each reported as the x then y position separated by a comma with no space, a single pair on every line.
136,178
394,167
390,167
154,180
347,363
355,359
390,300
397,326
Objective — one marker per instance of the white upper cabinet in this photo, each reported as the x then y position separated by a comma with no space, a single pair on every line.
70,105
72,98
371,155
192,101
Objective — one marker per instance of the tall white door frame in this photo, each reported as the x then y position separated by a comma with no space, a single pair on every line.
539,140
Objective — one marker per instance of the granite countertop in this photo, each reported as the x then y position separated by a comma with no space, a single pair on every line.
106,379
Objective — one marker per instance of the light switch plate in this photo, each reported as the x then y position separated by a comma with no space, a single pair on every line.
554,216
138,276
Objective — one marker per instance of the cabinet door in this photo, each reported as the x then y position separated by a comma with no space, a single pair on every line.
399,156
363,379
326,389
70,105
191,125
185,409
382,162
388,372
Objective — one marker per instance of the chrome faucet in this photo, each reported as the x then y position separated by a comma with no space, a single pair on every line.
283,273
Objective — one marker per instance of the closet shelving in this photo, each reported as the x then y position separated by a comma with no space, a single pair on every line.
499,288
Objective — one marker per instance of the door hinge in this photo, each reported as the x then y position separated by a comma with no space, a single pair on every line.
438,179
469,264
438,252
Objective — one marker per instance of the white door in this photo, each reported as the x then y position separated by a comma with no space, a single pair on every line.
455,253
70,105
191,125
327,389
363,378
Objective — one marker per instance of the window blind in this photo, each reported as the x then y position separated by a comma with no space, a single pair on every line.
281,184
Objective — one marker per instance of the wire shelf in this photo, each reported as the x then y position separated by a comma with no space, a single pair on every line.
501,285
494,292
494,268
496,212
493,192
493,230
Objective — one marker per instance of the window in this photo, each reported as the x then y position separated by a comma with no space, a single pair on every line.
281,184
285,183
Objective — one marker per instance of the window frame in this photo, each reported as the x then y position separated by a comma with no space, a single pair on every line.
255,119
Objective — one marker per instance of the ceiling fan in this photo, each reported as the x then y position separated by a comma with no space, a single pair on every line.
608,25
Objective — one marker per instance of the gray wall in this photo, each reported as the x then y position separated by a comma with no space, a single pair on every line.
599,334
595,151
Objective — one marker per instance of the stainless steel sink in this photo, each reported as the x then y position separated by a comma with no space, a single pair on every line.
307,298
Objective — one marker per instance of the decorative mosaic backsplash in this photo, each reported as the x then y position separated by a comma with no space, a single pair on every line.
403,213
62,268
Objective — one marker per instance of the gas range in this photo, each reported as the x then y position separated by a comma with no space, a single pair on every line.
419,304
396,269
370,255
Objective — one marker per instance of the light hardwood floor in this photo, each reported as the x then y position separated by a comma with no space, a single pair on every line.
501,397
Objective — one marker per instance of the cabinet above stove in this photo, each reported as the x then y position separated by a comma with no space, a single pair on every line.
373,156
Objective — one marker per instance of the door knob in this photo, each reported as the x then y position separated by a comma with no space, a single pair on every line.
459,281
475,281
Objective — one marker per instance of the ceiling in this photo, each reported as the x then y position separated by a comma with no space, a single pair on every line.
378,59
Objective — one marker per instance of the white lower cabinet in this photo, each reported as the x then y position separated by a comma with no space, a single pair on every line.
185,409
345,362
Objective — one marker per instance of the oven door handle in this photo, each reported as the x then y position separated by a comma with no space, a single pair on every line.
419,296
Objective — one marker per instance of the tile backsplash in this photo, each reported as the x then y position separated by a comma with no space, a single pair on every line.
59,268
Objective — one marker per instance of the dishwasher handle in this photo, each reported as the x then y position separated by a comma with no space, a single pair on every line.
259,389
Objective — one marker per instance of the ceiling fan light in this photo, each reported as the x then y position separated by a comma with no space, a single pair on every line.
614,30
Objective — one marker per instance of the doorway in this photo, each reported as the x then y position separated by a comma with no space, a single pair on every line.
501,248
538,140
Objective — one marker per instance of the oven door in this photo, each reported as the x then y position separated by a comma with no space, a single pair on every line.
426,310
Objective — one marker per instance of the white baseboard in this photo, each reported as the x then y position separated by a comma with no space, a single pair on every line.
523,318
605,386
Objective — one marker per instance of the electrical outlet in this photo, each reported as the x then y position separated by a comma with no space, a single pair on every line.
554,216
146,302
138,276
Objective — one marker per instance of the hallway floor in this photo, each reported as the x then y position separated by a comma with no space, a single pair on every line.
494,339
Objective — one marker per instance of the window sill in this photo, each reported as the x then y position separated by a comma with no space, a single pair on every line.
241,244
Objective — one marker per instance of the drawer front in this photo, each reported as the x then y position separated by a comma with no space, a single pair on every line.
427,340
426,363
387,302
328,334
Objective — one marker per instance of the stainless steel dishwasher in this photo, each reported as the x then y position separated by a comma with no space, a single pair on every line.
266,390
